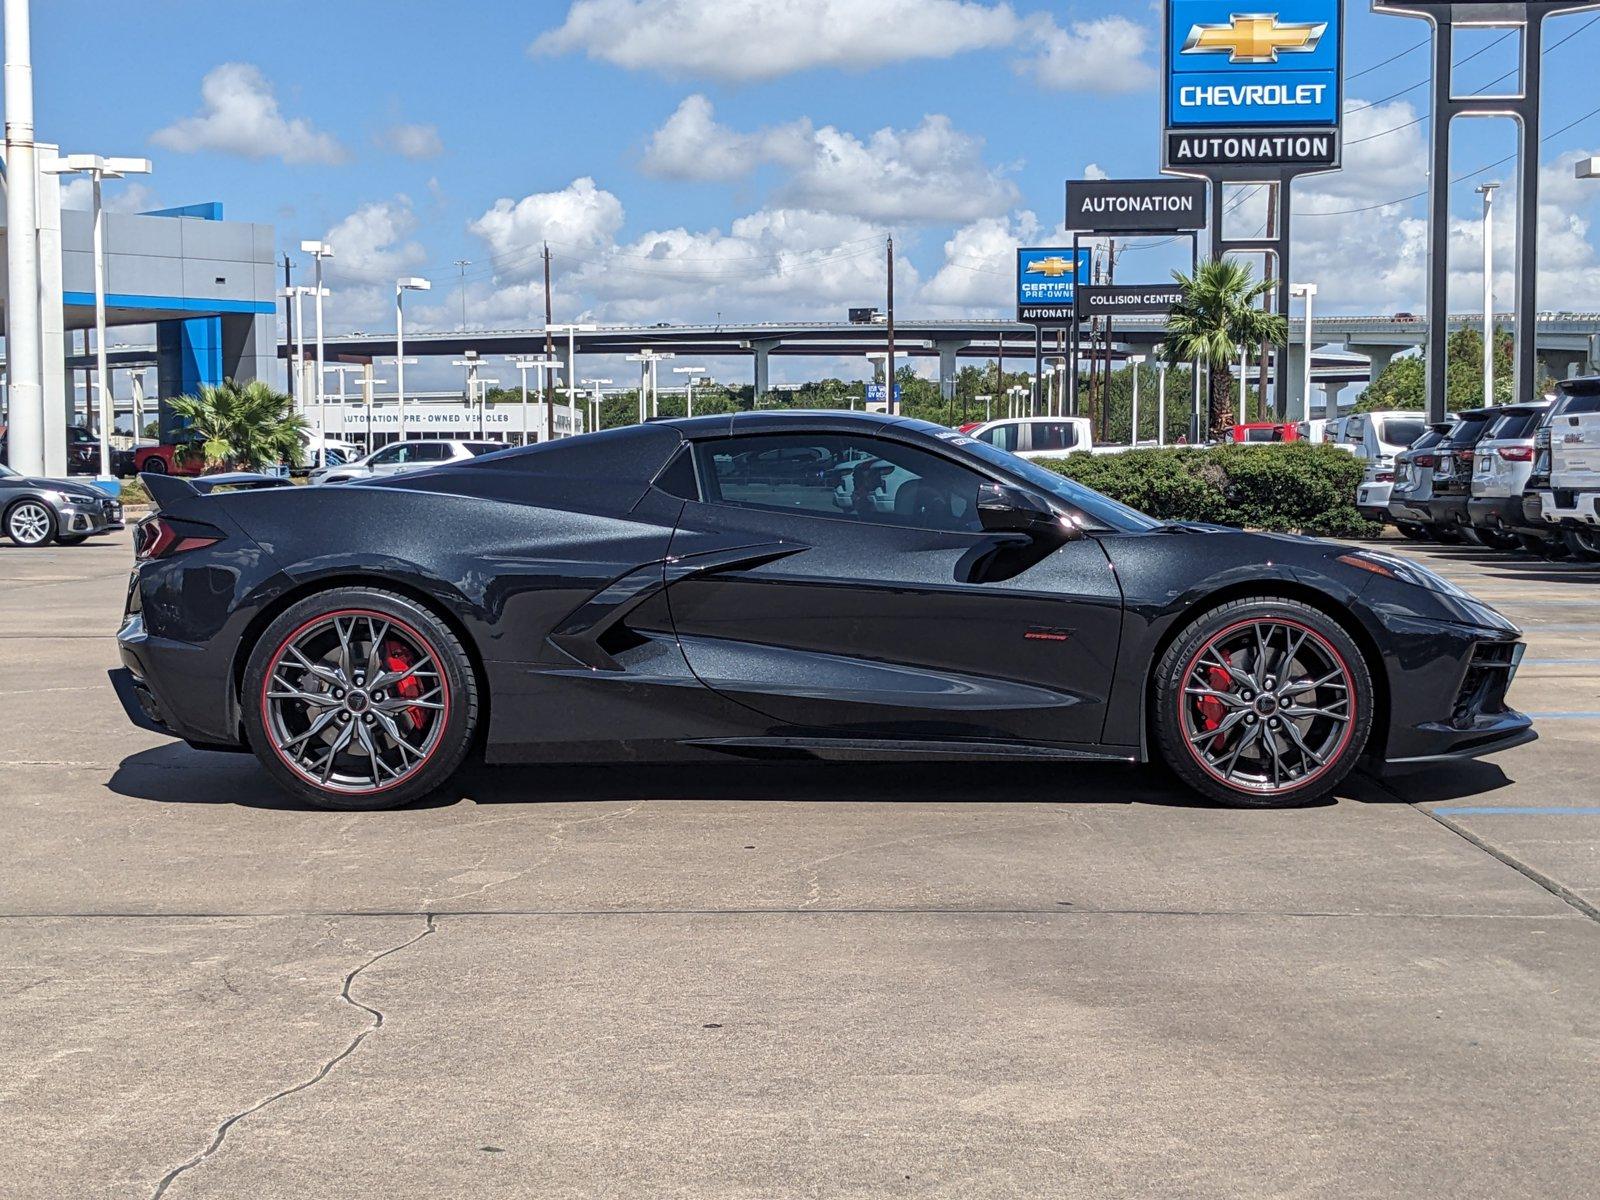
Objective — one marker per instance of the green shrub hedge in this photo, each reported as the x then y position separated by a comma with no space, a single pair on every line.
1292,487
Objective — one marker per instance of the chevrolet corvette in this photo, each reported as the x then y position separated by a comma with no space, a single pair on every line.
777,584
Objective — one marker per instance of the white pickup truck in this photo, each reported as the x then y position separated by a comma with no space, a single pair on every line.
1035,437
1566,472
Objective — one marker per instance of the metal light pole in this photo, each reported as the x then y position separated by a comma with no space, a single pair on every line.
412,283
461,265
1134,362
1309,292
98,169
688,394
594,404
470,362
1161,395
987,405
572,366
525,363
1486,190
343,371
319,251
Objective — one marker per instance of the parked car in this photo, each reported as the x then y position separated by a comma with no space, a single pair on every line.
1501,463
1452,474
409,455
83,450
1376,437
1263,431
167,458
1318,430
323,450
1564,486
1413,486
992,610
1036,437
36,511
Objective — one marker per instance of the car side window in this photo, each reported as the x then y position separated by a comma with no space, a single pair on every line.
1053,435
431,452
1002,437
388,455
842,476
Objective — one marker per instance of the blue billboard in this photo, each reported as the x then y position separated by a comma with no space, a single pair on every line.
1229,67
1046,278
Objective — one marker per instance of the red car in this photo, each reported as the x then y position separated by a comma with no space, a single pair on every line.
1264,431
164,460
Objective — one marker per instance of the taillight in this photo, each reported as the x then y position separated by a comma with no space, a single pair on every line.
1424,460
157,537
1464,456
1516,453
1384,477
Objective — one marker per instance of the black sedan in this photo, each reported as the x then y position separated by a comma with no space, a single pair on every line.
36,511
652,593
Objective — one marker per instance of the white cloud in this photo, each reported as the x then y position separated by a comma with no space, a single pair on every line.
412,141
131,197
240,116
742,40
979,269
579,219
373,245
932,173
692,145
1103,55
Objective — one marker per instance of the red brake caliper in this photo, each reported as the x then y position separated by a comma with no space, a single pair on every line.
397,657
1211,709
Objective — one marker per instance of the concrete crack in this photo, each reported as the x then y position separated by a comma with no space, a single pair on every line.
221,1133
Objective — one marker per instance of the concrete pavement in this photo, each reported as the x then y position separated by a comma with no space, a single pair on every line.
760,981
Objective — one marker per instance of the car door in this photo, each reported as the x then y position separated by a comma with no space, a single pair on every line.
866,600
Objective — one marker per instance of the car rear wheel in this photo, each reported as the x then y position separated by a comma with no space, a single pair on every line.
1583,543
1447,535
1263,703
1496,539
154,465
1412,531
30,523
359,698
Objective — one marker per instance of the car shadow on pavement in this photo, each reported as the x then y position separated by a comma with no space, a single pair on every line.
175,774
1424,785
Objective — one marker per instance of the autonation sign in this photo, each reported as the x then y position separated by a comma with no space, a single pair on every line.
1254,86
1047,283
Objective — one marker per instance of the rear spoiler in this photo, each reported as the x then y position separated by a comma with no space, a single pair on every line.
168,490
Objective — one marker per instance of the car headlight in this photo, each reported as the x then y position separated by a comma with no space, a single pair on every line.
1405,571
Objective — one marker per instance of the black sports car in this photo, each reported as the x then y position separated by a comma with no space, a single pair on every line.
830,585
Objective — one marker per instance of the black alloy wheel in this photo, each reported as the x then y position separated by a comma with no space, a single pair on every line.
358,698
1263,703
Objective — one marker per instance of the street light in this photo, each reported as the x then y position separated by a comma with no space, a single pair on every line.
1486,190
1331,411
647,360
988,406
294,293
99,169
343,371
1160,355
1134,361
1017,391
594,404
412,283
688,394
572,367
1588,168
319,251
525,363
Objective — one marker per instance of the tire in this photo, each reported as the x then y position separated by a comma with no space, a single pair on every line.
1583,544
1497,539
1545,547
429,706
30,523
1219,655
1413,532
1445,535
154,465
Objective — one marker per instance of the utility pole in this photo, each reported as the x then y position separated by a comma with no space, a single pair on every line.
461,265
549,349
24,339
288,324
888,369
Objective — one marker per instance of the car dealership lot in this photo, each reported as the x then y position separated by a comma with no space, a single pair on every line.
780,980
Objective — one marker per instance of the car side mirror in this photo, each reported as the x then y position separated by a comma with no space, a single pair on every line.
1006,509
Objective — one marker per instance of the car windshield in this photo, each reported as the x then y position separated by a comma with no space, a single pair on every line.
7,473
1514,425
1469,431
1399,431
1101,509
1267,434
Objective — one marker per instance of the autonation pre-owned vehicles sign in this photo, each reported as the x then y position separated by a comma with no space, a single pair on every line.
1257,86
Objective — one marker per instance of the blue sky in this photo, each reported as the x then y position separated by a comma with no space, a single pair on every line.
693,157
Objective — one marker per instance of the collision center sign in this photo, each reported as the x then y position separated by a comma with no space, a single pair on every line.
1252,85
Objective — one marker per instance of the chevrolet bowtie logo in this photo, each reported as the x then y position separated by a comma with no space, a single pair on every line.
1255,38
1052,267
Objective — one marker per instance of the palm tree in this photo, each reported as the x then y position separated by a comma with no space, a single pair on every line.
1217,316
246,425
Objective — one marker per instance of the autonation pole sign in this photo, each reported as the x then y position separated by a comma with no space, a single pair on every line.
1047,284
1252,88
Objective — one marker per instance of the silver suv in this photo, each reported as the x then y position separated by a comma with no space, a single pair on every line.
1413,485
1501,463
410,455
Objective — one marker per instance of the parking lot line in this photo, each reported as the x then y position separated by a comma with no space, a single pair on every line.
1565,716
1532,810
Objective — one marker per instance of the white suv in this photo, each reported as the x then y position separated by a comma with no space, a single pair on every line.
397,457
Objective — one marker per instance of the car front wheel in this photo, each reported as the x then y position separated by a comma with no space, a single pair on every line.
359,698
1584,544
30,523
1263,703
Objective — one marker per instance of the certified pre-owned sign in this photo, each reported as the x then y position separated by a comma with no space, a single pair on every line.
1135,205
1268,75
1150,299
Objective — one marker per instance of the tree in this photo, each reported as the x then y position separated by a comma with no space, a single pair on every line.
247,425
1403,383
1217,316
